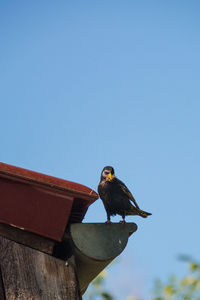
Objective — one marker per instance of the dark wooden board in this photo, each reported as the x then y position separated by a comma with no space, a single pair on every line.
27,238
2,293
32,275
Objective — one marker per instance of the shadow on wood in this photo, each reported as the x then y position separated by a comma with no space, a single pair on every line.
30,274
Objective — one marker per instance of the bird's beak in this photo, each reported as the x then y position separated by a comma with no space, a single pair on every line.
110,177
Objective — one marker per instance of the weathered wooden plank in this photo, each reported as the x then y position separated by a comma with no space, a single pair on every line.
27,238
29,274
2,294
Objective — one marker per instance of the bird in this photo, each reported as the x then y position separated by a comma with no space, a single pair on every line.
116,197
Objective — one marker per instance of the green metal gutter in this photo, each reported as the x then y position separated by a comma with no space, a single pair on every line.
95,245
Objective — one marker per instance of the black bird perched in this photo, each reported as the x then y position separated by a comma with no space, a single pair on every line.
116,196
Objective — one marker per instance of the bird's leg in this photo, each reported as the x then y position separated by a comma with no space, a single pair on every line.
123,219
108,219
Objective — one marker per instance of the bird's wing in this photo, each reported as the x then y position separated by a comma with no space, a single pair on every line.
127,192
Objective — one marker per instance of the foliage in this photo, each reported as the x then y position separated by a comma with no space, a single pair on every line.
186,288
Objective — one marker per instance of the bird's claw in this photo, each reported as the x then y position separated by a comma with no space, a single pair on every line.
122,222
108,222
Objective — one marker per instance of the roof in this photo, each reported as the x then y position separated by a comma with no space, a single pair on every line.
41,203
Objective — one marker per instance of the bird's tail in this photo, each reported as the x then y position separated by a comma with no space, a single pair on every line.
139,212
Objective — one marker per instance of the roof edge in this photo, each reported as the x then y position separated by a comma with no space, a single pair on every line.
76,189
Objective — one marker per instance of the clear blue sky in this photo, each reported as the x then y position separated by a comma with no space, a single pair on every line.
85,84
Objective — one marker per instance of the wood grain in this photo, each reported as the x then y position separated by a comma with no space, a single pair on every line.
2,293
32,275
27,238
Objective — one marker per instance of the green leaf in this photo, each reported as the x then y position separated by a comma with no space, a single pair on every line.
193,266
169,290
187,281
106,296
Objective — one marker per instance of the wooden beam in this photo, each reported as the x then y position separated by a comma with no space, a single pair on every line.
30,274
27,238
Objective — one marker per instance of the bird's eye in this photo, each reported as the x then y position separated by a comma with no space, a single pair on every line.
106,173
